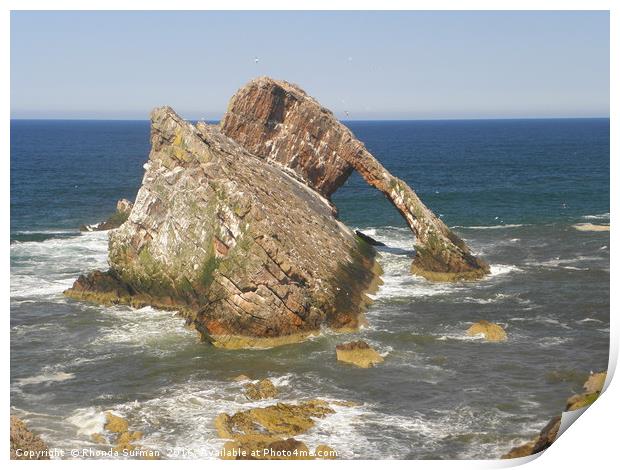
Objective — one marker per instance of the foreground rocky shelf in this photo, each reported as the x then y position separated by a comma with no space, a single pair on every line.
272,432
233,226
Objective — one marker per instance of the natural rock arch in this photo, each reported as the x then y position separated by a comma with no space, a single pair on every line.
280,123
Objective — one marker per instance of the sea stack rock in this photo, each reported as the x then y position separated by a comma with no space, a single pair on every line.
246,251
280,123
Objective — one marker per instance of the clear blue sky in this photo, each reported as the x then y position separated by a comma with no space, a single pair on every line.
374,65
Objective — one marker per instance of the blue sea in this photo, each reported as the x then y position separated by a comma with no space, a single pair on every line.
513,189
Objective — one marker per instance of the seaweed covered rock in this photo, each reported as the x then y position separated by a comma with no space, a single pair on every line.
490,331
248,253
261,390
275,421
279,122
358,353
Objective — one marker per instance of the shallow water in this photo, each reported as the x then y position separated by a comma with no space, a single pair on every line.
439,393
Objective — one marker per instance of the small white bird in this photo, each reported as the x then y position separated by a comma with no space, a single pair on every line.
256,60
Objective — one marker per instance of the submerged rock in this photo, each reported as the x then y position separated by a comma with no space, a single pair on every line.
491,331
123,209
358,353
279,122
24,444
241,378
261,390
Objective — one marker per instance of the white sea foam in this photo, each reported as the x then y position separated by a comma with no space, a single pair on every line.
586,320
46,268
489,227
567,263
146,327
551,341
88,421
396,259
497,298
45,378
502,269
597,216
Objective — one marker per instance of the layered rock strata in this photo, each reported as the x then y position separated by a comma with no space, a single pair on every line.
250,254
279,122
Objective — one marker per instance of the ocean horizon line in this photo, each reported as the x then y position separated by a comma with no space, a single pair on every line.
537,118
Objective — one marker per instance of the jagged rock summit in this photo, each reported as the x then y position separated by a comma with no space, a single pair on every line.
233,226
279,122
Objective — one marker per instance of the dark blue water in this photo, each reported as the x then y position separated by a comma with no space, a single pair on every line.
521,171
479,172
513,189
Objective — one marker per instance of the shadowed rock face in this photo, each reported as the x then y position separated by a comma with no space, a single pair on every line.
282,124
247,252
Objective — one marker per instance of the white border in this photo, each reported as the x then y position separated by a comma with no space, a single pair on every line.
588,444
